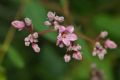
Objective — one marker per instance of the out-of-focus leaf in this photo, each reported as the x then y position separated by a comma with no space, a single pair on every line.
37,13
15,57
109,23
2,73
53,63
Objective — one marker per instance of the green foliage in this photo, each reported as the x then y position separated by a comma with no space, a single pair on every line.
15,57
109,23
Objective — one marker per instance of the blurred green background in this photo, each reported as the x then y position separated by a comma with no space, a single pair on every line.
89,17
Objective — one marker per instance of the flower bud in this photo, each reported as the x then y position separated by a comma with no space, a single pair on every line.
61,19
28,22
51,16
18,24
36,48
27,43
103,34
77,55
35,35
47,23
67,58
110,44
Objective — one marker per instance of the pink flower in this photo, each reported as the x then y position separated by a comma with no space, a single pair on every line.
77,55
99,51
110,44
103,34
18,24
36,48
67,58
66,35
51,16
32,39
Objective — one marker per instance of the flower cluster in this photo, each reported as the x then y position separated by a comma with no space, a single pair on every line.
54,20
100,49
66,36
32,38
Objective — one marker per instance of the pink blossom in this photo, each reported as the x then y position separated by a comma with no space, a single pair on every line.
67,57
99,51
51,16
110,44
102,53
66,35
32,39
36,48
18,24
103,34
77,55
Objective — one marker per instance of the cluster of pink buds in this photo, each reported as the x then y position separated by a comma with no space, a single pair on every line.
32,38
102,44
54,20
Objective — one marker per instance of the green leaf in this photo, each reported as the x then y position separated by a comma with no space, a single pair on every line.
2,73
37,13
53,63
15,57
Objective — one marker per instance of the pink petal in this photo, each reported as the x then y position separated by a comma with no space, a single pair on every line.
71,37
61,45
66,41
61,29
103,34
36,48
51,16
70,29
110,44
67,58
101,56
77,55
